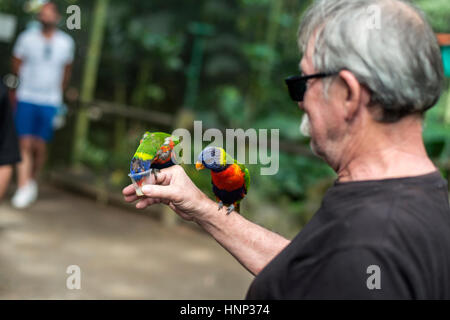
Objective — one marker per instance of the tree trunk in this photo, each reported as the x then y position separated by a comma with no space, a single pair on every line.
89,79
143,78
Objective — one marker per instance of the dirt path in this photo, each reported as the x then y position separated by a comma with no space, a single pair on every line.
122,255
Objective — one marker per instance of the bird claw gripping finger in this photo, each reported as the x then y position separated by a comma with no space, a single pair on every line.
155,172
220,205
230,209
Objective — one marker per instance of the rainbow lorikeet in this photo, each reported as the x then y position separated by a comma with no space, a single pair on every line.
230,179
154,152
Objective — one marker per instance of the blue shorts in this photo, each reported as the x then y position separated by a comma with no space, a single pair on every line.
35,120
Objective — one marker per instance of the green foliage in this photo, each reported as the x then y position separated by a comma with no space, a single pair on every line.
437,131
230,105
437,12
145,56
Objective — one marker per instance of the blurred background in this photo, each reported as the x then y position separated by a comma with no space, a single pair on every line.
156,66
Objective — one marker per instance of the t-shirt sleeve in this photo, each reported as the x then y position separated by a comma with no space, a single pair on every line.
354,273
20,50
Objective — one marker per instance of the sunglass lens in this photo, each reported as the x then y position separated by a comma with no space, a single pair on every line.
296,87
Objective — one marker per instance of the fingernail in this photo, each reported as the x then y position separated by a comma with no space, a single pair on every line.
146,189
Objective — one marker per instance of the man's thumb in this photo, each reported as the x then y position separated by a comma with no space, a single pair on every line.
157,191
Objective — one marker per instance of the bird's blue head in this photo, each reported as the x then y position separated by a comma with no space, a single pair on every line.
213,158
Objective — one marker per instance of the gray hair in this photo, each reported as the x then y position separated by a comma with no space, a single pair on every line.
399,62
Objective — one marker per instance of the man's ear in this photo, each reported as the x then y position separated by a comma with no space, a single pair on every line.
352,94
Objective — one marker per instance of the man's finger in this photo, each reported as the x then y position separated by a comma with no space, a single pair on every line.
144,203
157,191
163,177
128,190
131,198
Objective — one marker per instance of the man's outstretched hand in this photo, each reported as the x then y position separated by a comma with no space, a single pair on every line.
174,188
252,245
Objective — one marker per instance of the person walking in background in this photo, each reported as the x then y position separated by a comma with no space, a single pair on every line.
9,145
42,59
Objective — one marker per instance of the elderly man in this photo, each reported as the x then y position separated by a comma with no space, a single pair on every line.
383,230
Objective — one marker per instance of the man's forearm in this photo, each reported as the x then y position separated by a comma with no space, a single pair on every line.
252,245
15,65
66,76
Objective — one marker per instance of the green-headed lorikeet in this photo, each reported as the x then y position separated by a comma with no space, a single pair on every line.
154,152
230,179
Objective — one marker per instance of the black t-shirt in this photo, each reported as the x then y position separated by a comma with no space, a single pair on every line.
377,239
9,145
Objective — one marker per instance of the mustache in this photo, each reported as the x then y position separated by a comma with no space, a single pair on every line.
305,126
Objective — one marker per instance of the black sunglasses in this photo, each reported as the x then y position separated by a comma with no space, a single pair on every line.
297,84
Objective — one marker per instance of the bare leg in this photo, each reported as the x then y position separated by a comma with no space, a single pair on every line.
40,156
5,176
25,167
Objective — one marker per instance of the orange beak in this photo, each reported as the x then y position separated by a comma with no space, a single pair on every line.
199,166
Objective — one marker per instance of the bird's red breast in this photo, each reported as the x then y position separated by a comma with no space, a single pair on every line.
230,179
165,149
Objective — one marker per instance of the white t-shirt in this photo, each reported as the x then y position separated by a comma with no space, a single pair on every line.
43,62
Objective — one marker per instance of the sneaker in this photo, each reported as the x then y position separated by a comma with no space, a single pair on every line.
25,195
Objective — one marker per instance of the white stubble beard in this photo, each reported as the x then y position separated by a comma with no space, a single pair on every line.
305,130
305,126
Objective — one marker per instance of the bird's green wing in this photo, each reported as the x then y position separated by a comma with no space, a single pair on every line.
150,144
246,174
247,179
